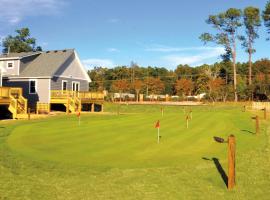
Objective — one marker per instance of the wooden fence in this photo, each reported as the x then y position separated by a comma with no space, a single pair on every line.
261,105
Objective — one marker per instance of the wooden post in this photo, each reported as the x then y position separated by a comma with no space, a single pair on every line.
265,113
68,102
245,108
187,118
231,162
28,113
93,107
257,125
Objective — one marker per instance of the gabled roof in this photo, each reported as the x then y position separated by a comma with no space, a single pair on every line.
19,55
46,63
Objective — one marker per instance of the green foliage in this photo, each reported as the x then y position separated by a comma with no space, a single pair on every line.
103,78
22,42
226,24
252,22
266,16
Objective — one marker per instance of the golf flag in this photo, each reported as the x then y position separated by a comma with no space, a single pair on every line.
157,124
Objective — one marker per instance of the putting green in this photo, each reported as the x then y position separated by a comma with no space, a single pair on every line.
130,140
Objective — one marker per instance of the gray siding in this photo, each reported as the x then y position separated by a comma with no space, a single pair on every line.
72,68
42,87
10,71
56,83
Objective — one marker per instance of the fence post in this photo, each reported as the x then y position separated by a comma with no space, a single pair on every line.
257,125
187,118
231,160
68,104
28,113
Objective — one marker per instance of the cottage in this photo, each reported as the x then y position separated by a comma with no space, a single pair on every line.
46,78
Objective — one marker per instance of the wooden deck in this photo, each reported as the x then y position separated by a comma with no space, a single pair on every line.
74,100
12,97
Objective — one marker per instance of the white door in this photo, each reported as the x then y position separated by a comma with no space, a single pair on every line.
75,86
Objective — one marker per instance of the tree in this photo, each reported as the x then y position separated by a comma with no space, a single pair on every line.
137,87
184,87
215,86
121,86
22,42
266,16
226,24
155,85
252,22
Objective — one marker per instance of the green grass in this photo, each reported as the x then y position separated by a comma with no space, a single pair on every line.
117,157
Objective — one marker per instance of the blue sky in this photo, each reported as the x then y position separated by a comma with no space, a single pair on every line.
160,33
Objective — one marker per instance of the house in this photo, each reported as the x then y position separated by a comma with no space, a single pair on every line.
46,78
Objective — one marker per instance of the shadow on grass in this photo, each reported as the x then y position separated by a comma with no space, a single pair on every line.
219,169
247,131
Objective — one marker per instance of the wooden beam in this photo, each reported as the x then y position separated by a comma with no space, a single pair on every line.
231,162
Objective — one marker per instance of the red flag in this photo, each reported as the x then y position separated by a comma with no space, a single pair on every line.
157,124
78,114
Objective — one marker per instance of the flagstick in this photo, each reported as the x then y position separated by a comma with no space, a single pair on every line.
158,135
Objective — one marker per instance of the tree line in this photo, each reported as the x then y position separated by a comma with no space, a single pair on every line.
215,80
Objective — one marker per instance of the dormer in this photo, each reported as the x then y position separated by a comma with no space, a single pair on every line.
12,64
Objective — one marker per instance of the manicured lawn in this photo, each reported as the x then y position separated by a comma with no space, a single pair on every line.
117,157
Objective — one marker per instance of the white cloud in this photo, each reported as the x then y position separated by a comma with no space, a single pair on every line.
13,11
44,44
95,62
203,56
112,50
166,49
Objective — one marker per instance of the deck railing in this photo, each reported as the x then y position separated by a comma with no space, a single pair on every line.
64,94
6,92
91,95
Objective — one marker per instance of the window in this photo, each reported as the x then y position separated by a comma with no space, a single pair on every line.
75,86
10,64
32,87
64,85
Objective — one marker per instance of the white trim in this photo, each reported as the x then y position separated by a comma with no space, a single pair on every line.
10,58
49,90
19,66
70,77
10,62
79,85
35,80
64,81
82,67
1,71
38,77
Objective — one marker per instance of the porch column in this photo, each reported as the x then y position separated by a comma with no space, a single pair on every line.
93,107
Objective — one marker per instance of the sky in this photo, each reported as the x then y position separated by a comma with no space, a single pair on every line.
161,33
